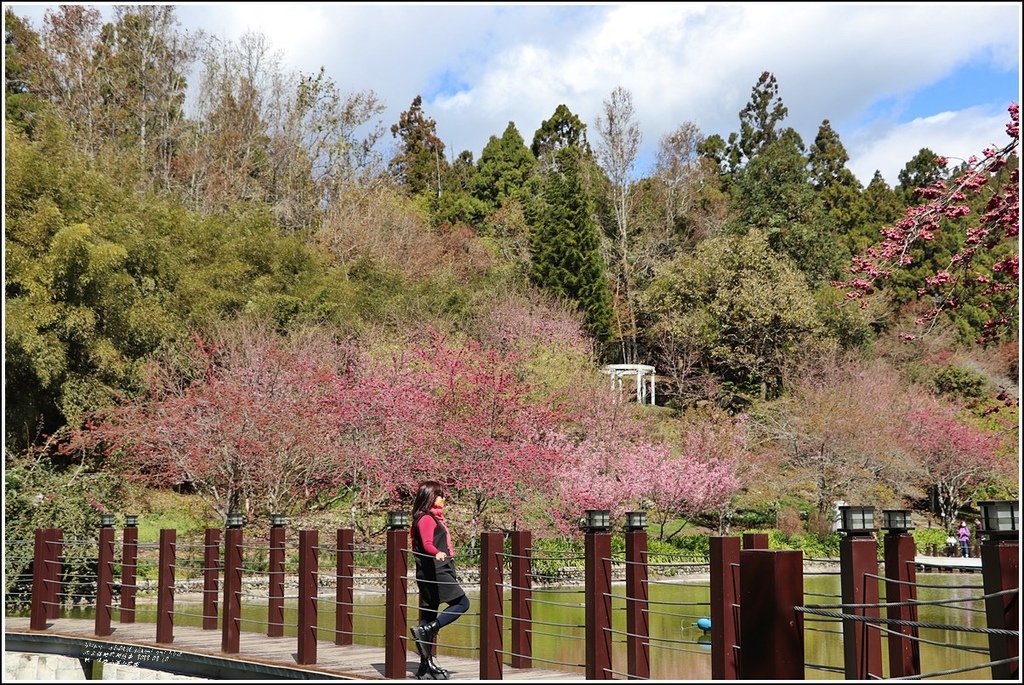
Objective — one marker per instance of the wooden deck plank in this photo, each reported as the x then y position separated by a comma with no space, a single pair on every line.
354,662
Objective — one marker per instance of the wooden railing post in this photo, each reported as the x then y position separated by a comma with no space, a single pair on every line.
104,581
395,598
522,593
771,629
638,638
900,591
755,541
211,575
1000,570
598,599
862,641
308,590
344,586
129,573
231,624
492,554
275,583
53,569
40,579
725,580
165,586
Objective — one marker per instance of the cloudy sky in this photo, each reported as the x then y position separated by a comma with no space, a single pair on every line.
891,78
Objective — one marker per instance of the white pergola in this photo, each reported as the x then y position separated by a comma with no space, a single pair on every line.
644,391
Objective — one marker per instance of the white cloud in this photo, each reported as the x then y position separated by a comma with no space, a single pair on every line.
954,135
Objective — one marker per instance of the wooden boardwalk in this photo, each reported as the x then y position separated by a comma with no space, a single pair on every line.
261,656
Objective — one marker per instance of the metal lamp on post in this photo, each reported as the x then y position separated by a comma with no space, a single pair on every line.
230,630
857,521
597,520
858,571
901,593
897,521
1000,519
396,568
129,554
638,653
1000,568
398,520
275,600
105,574
597,552
635,521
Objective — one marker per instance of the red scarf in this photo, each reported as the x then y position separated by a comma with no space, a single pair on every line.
439,515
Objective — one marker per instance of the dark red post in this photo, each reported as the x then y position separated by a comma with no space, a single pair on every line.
345,587
40,579
275,583
104,581
1000,570
755,541
862,641
211,574
522,593
53,568
230,628
771,629
308,589
725,580
165,586
395,598
129,569
900,591
598,598
492,553
638,634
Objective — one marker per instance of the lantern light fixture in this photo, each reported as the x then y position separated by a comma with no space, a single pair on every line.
857,521
106,520
131,520
236,519
397,520
597,520
277,520
636,520
897,520
1000,518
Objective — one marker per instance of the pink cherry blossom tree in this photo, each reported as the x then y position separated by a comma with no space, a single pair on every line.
995,233
241,426
957,458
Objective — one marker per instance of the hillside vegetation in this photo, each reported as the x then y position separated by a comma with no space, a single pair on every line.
269,305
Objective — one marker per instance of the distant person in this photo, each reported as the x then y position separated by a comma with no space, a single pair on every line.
435,576
951,546
963,533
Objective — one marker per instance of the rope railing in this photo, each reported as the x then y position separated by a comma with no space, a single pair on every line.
259,564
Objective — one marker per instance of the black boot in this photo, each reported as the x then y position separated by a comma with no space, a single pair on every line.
424,672
436,671
424,637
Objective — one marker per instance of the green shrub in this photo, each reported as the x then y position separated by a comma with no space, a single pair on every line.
923,537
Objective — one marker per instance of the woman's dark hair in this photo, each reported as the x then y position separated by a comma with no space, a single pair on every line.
426,495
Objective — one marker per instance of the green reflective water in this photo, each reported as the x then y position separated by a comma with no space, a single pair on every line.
679,650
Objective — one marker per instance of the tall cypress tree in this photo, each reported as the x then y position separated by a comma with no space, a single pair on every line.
565,245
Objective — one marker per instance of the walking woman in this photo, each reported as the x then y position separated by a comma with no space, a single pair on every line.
435,576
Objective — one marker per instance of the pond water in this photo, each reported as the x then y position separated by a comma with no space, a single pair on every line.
679,650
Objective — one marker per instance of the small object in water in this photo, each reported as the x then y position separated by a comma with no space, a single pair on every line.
703,623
